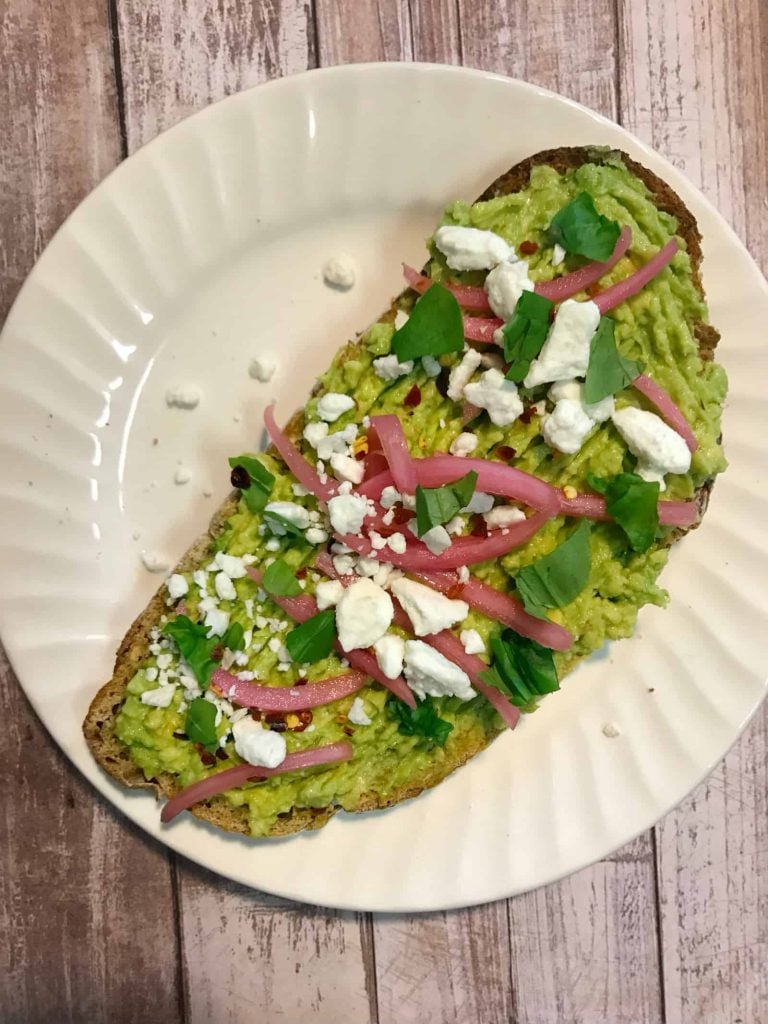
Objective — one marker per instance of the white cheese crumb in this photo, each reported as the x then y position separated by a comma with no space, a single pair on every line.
160,697
437,540
567,426
463,445
332,405
346,468
463,574
659,448
471,641
504,285
389,497
151,674
344,564
455,526
217,622
479,503
328,593
224,587
340,271
388,367
315,535
263,368
558,254
429,611
430,673
497,395
356,714
565,353
154,562
471,248
347,512
461,374
367,566
401,319
397,543
598,412
232,565
503,515
258,745
611,730
390,651
177,586
182,396
431,366
182,475
363,615
297,515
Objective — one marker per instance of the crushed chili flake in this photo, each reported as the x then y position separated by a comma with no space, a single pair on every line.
207,759
506,452
301,573
455,591
222,754
349,731
273,717
527,414
479,527
593,289
217,653
413,398
255,714
300,682
528,248
402,514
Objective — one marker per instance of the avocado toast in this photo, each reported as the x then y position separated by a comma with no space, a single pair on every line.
555,581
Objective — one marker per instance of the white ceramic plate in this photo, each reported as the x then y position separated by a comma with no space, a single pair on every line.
204,249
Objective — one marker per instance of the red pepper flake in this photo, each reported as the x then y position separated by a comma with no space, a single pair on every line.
300,682
305,717
402,514
222,754
505,452
413,398
479,527
455,591
593,289
255,714
527,414
208,759
217,653
272,717
348,731
528,248
301,573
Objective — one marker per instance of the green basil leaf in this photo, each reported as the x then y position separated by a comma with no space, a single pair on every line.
438,505
290,529
257,494
434,327
200,725
312,640
525,334
608,371
633,503
555,580
279,579
580,229
194,645
522,669
423,721
234,638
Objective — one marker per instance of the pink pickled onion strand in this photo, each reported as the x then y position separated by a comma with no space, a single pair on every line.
631,285
287,698
231,778
502,608
463,551
294,460
324,564
668,410
481,328
450,647
374,485
561,288
389,430
492,478
299,608
467,296
592,506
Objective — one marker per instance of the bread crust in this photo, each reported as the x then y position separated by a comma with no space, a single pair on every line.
99,724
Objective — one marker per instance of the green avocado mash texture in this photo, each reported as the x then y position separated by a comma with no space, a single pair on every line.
652,327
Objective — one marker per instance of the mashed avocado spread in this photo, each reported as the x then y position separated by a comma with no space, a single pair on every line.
653,327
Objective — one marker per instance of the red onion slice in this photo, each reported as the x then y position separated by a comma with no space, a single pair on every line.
389,431
561,288
481,328
287,698
467,296
631,285
592,506
294,460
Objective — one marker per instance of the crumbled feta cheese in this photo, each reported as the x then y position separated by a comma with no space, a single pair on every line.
297,515
363,615
217,621
463,574
461,374
356,714
598,412
471,248
429,611
497,395
232,565
153,561
151,674
263,368
344,564
565,353
431,366
367,566
389,497
659,448
315,432
430,673
377,541
479,503
390,651
401,319
182,396
273,544
258,745
332,405
385,574
504,285
325,444
164,661
397,543
409,501
314,535
471,641
567,426
463,445
455,526
299,491
558,254
224,587
160,697
437,539
347,512
346,468
388,367
340,271
177,586
182,475
328,593
502,516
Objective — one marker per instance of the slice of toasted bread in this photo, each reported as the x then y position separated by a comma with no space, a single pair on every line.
99,724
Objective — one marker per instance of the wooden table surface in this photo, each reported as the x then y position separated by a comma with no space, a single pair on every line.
98,923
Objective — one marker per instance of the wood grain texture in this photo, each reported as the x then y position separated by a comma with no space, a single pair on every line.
694,85
177,57
73,878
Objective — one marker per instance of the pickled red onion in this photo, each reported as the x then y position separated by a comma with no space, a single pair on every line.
481,328
467,296
294,460
667,409
389,431
561,288
287,698
450,647
231,778
492,478
592,506
623,290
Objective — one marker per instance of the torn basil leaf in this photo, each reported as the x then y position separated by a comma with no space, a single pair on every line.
312,640
525,334
279,579
580,229
438,505
423,721
253,480
633,503
200,726
434,327
555,580
521,668
608,371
